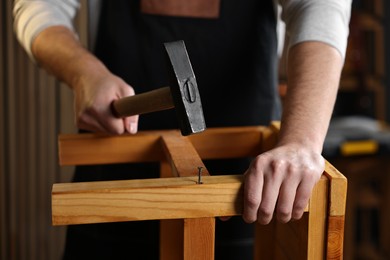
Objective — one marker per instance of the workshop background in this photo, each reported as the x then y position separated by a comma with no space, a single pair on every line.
34,109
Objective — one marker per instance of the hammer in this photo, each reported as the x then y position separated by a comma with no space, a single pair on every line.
183,94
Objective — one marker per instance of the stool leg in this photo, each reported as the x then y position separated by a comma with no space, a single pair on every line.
171,239
171,230
199,238
292,239
318,217
265,241
187,239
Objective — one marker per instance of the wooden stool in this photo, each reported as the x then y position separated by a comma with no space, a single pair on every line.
187,209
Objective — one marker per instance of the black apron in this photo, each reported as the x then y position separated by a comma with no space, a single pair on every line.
235,62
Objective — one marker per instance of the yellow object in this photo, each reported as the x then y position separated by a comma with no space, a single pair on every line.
359,147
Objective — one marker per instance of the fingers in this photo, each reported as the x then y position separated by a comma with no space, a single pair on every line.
106,123
88,123
263,205
93,103
278,184
273,180
253,188
100,119
302,198
286,201
131,124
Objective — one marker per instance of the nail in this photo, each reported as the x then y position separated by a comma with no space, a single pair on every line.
133,128
200,175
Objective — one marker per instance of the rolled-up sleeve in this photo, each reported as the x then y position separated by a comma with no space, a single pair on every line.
317,20
33,16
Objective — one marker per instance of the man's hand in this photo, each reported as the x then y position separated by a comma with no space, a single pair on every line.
58,50
93,101
280,181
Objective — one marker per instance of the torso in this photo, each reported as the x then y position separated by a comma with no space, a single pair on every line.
233,57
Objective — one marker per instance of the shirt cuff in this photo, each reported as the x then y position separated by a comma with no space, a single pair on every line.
326,21
32,17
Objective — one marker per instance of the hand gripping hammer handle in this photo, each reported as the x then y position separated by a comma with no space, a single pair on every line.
152,101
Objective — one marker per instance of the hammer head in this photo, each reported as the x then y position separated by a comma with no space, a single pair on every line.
184,89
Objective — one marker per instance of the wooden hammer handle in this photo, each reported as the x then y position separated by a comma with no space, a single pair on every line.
155,100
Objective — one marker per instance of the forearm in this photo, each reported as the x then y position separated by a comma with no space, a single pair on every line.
280,181
313,78
58,51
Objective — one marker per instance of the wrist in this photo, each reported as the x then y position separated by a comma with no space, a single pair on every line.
85,70
301,140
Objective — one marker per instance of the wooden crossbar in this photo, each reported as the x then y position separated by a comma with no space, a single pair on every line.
221,143
148,199
166,198
182,155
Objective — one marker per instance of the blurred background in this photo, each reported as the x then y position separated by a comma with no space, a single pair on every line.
34,109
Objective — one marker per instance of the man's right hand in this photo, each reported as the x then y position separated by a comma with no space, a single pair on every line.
58,50
93,100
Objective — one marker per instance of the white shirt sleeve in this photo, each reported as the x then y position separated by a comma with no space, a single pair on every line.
317,20
306,20
33,16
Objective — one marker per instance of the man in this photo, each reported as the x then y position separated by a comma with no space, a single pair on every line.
232,45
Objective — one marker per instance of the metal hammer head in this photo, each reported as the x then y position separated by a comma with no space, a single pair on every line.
184,89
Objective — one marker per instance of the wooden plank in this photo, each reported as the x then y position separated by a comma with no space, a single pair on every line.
265,243
318,212
199,233
338,190
85,149
336,216
166,198
171,239
82,149
199,237
305,238
270,136
182,155
230,142
171,230
291,239
335,243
